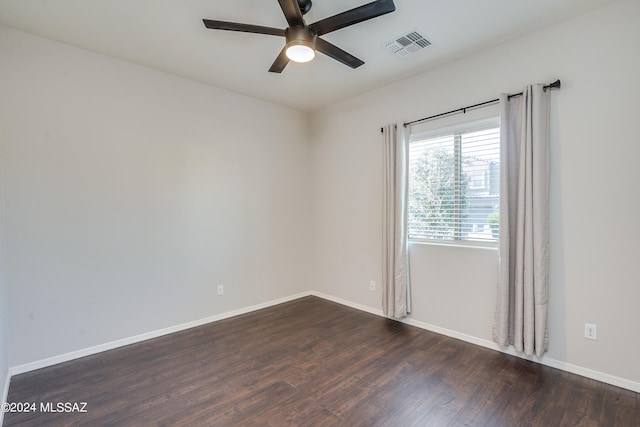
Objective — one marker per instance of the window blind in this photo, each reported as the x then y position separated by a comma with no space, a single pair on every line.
454,185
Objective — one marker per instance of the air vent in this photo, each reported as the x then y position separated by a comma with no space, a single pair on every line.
408,44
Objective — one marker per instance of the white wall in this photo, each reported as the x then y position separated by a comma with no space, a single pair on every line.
4,306
594,197
131,194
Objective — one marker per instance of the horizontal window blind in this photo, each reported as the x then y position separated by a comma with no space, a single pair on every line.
454,185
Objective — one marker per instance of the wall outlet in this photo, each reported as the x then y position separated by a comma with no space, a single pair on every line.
220,290
372,285
590,331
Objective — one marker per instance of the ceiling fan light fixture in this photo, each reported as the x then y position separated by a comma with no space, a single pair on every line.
301,44
300,53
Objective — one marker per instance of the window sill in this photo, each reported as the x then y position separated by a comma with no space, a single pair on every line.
456,243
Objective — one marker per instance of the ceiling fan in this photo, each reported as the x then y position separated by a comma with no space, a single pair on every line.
302,40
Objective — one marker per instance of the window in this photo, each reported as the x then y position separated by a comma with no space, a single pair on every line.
454,183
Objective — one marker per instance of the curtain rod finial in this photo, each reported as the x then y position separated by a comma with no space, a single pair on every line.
556,84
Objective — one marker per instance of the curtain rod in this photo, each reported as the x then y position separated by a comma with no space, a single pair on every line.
554,85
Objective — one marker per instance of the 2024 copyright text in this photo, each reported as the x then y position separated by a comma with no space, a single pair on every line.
49,407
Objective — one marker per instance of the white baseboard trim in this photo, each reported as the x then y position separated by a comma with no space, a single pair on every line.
544,360
360,307
568,367
32,366
5,393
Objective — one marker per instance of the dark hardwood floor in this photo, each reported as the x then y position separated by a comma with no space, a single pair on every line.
312,362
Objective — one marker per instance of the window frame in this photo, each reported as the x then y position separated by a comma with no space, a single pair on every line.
461,127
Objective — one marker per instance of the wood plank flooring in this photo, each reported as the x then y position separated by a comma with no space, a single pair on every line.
312,362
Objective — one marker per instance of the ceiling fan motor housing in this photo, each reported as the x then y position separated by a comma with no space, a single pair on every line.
299,35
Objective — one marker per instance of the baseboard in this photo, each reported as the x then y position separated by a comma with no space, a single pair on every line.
5,394
348,303
568,367
32,366
544,360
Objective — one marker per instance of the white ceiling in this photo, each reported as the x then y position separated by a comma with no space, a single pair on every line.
169,35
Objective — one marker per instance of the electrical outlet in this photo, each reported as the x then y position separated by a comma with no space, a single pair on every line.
220,290
372,285
590,331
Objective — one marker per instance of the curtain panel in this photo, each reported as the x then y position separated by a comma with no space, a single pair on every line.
395,268
523,281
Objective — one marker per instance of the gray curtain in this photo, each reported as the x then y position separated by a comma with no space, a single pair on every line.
395,278
523,282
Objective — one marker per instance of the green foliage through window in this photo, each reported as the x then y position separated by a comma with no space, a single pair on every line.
454,186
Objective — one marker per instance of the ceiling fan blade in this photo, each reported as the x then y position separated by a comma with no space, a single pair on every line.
338,54
353,16
281,61
292,12
245,28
